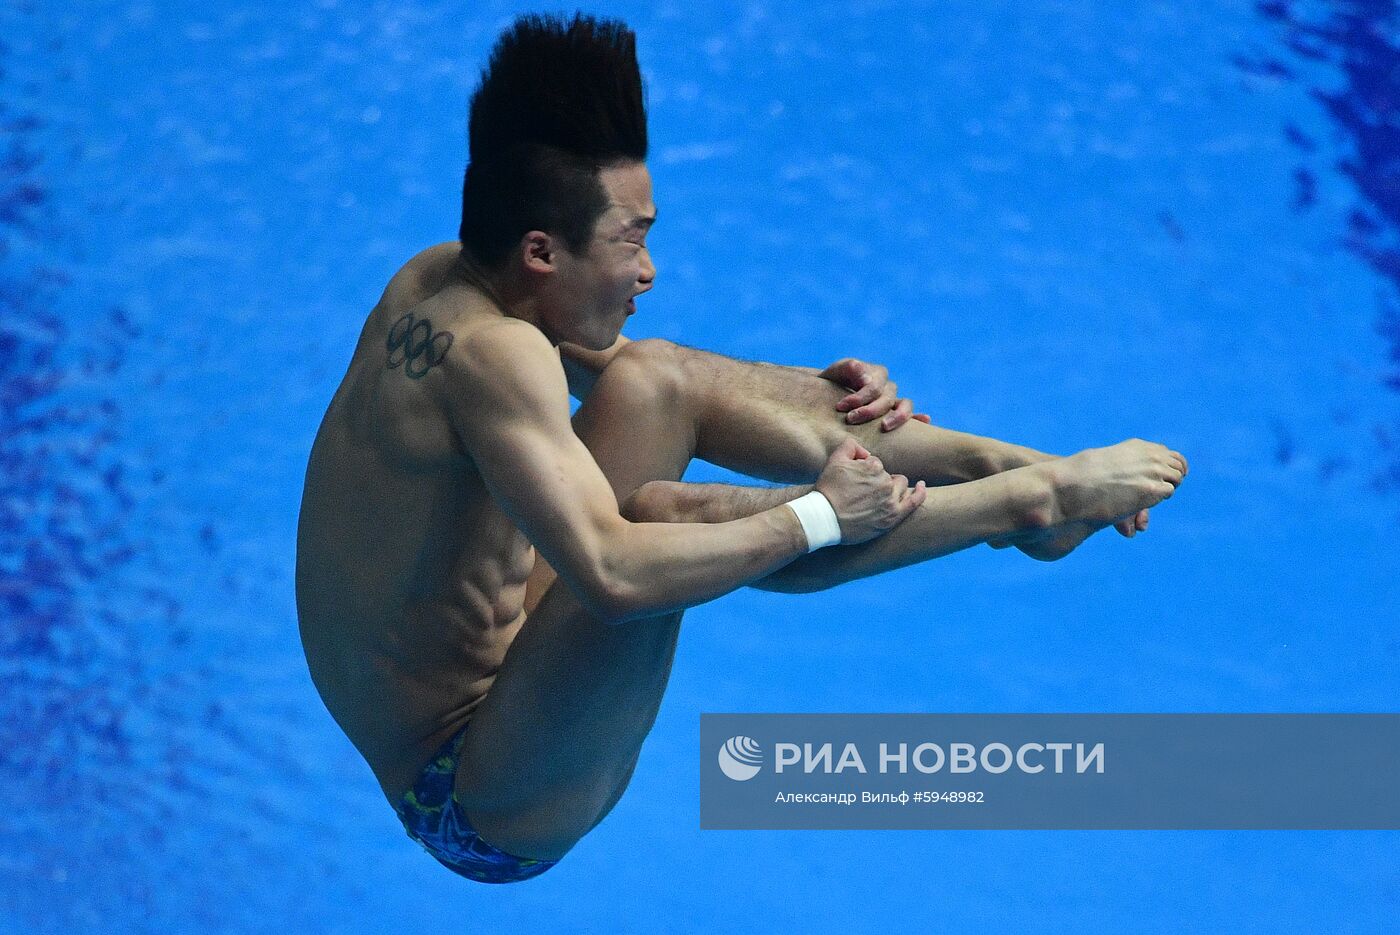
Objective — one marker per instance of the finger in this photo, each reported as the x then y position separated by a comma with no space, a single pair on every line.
901,487
862,378
1142,519
881,405
859,451
848,448
1125,528
866,394
923,417
915,499
903,411
875,463
844,373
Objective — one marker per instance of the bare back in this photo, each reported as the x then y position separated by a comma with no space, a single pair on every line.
410,579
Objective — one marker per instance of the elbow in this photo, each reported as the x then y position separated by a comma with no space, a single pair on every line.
618,589
597,578
613,603
605,578
618,605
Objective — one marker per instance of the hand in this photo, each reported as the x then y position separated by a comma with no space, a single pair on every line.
874,394
868,502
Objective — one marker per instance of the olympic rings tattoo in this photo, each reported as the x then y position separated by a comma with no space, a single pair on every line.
413,345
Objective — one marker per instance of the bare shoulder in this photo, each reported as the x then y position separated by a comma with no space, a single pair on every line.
503,382
438,257
502,360
421,276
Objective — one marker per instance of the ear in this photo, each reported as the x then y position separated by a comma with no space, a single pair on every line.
538,252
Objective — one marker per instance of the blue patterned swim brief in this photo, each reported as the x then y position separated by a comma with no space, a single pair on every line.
432,816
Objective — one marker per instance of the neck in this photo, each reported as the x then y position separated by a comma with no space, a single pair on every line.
475,276
507,294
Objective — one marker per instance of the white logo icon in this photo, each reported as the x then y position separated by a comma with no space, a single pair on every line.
740,758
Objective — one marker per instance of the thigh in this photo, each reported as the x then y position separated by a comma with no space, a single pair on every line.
638,423
555,739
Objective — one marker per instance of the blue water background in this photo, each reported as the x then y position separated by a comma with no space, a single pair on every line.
1061,224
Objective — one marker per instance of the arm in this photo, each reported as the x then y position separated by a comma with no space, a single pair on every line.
517,430
507,400
952,518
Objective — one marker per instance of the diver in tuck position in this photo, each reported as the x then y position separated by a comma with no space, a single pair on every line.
502,709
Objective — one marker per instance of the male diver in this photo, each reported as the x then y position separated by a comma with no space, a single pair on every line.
501,708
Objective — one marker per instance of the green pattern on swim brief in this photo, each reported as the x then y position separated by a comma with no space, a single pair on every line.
442,828
411,798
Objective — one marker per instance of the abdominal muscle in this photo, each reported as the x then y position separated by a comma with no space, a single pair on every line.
410,580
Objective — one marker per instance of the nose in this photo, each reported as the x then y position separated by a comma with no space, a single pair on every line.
647,277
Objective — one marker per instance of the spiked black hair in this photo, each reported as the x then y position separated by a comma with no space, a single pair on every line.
559,100
573,85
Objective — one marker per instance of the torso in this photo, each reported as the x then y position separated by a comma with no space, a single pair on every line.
410,580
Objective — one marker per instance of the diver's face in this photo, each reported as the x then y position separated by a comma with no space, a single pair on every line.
601,284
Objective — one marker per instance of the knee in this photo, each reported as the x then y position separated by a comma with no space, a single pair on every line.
651,369
647,349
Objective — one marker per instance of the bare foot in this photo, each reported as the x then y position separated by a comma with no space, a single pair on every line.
1048,545
1104,486
1096,488
1053,544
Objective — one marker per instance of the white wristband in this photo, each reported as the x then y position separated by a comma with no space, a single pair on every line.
818,519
